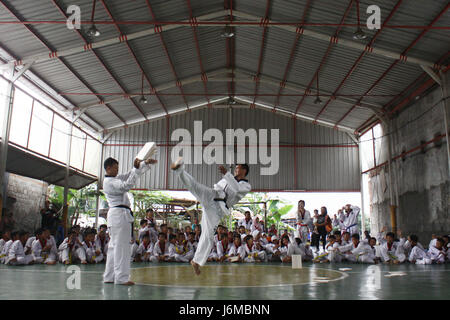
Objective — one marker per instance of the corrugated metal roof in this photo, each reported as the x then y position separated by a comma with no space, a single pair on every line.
319,166
183,53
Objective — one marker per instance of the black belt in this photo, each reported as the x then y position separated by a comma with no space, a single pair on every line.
131,212
222,199
125,207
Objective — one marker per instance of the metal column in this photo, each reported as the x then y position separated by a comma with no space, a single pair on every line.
363,215
66,179
99,187
5,138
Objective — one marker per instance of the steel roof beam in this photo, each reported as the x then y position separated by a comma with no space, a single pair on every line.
291,55
102,63
327,52
134,57
197,47
172,67
161,28
395,63
261,51
193,79
12,12
356,63
348,43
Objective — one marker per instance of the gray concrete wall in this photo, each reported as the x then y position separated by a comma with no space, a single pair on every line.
27,196
422,177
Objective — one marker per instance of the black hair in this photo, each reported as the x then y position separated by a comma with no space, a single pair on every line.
161,234
163,225
298,240
149,210
244,166
301,201
172,236
241,227
390,234
22,233
332,237
355,236
192,234
88,231
103,226
337,233
223,236
440,240
143,221
14,234
414,238
39,231
248,238
372,238
109,162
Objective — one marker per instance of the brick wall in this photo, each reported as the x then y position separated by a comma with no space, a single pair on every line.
26,197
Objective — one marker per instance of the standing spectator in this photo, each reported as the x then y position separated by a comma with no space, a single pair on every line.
303,221
247,221
322,221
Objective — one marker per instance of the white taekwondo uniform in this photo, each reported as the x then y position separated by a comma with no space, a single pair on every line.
418,255
91,252
16,251
143,249
158,252
221,251
229,189
102,245
303,224
247,224
351,220
71,253
119,222
44,257
436,255
5,251
250,254
339,221
387,252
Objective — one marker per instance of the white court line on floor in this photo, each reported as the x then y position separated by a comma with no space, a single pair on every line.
343,276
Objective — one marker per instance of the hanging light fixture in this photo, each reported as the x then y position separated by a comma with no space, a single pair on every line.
227,32
143,99
317,100
359,33
231,101
93,32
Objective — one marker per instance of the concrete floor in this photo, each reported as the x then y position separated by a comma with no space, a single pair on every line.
244,281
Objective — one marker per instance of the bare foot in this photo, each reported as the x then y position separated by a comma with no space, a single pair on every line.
175,165
129,283
196,267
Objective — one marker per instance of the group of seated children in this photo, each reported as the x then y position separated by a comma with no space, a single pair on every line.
384,248
18,248
164,244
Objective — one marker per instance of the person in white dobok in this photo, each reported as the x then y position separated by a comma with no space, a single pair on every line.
120,218
304,221
351,219
216,203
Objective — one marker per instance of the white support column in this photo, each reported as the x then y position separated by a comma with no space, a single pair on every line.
99,186
363,211
66,178
7,115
